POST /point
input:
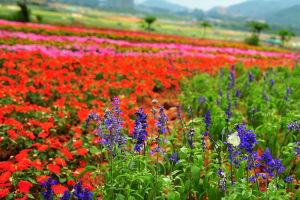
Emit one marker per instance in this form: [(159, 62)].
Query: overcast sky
[(203, 4)]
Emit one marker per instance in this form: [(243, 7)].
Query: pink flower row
[(161, 46)]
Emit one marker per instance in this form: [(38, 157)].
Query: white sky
[(203, 4)]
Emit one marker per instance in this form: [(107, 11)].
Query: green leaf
[(195, 174)]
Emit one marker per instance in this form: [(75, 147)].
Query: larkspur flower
[(140, 133), (220, 93), (66, 195), (174, 158), (218, 101), (48, 194)]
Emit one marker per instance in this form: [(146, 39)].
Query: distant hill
[(289, 15), (261, 9), (162, 4)]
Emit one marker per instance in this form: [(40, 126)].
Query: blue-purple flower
[(250, 77), (288, 179), (231, 80), (174, 158), (140, 133), (81, 194), (207, 121), (294, 126), (66, 195), (48, 194), (237, 93), (277, 166)]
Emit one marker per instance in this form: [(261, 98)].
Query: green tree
[(257, 27), (285, 35), (205, 25), (24, 14), (149, 20)]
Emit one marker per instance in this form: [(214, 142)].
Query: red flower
[(54, 168), (60, 161), (5, 177), (42, 179), (24, 186), (3, 192), (77, 143), (12, 134), (59, 189), (82, 151), (71, 182), (67, 153)]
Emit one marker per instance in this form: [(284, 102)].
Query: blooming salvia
[(272, 82), (267, 160), (294, 126), (81, 194), (288, 179), (66, 195), (190, 138), (228, 113), (297, 149), (265, 95), (140, 133), (48, 194), (277, 166), (201, 99), (93, 116), (250, 77), (174, 158), (288, 92), (231, 80), (161, 129), (237, 93), (207, 121), (222, 182)]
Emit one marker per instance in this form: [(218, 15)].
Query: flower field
[(111, 114)]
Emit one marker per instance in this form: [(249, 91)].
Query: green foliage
[(257, 27), (24, 14), (252, 40), (285, 35), (149, 20)]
